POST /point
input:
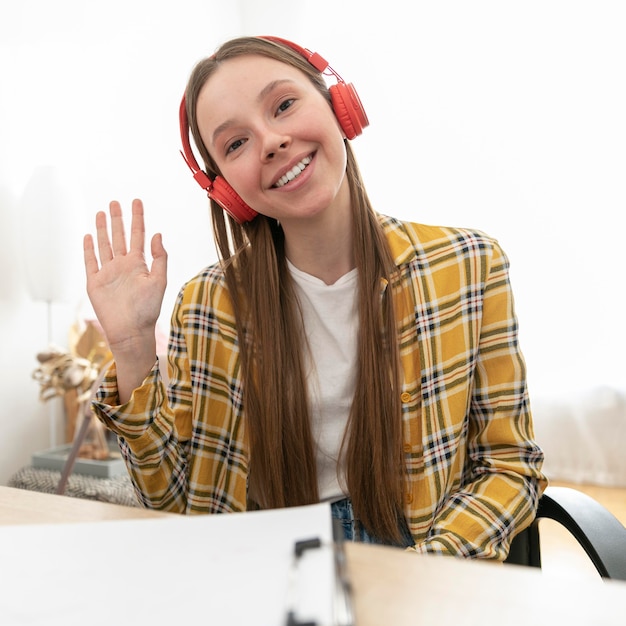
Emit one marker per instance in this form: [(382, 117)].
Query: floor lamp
[(48, 216)]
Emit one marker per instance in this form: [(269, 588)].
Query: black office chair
[(595, 528)]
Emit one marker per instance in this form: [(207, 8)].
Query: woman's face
[(274, 138)]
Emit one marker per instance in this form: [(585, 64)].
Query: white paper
[(213, 569)]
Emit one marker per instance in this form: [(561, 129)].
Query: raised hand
[(125, 293)]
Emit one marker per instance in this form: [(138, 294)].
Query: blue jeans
[(353, 531)]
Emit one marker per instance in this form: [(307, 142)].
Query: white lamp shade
[(50, 243)]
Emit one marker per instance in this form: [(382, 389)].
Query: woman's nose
[(274, 143)]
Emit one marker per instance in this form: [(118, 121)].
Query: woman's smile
[(293, 173)]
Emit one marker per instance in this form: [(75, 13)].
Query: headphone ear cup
[(348, 109), (230, 201)]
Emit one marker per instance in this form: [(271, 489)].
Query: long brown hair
[(271, 342)]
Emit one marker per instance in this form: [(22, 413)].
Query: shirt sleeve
[(502, 481), (152, 442)]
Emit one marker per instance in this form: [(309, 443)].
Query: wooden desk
[(392, 587), (19, 506), (395, 588)]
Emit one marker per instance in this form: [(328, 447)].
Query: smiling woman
[(333, 353)]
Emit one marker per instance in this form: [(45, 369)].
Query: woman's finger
[(89, 254), (105, 251), (118, 235), (137, 228)]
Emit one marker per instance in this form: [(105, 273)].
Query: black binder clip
[(342, 595)]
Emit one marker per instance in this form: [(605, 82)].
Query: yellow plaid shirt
[(473, 468)]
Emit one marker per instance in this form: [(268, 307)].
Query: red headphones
[(347, 108)]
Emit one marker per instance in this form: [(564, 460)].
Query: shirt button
[(408, 497), (405, 397)]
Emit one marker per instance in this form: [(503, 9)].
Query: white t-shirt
[(331, 323)]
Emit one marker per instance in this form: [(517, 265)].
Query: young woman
[(333, 353)]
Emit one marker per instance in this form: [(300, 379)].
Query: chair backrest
[(596, 529)]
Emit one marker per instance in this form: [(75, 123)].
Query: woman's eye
[(283, 106), (235, 145)]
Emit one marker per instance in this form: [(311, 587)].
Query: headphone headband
[(315, 59), (199, 175), (346, 106)]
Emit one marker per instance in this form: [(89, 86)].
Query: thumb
[(159, 258)]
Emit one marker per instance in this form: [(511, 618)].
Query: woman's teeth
[(294, 172)]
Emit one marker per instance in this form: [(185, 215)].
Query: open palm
[(125, 293)]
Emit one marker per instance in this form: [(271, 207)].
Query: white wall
[(505, 116), (498, 115)]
